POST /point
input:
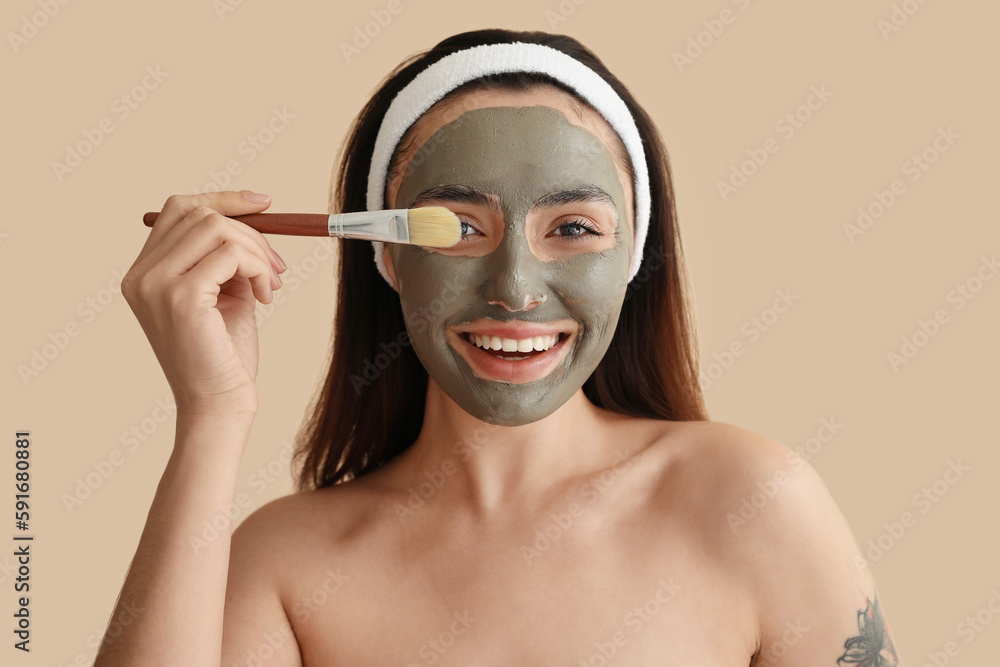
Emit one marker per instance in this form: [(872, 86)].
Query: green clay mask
[(528, 259)]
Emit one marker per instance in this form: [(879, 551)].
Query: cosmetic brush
[(433, 226)]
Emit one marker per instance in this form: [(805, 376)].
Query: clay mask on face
[(524, 272)]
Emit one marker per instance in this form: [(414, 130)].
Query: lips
[(517, 330), (516, 364)]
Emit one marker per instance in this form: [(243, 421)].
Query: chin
[(512, 405)]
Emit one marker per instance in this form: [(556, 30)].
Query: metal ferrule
[(389, 226)]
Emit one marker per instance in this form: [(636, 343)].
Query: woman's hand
[(194, 288)]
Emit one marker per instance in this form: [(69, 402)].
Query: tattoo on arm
[(873, 646)]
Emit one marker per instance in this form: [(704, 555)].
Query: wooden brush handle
[(289, 224)]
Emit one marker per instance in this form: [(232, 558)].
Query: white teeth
[(539, 343)]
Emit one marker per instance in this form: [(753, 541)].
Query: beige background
[(826, 357)]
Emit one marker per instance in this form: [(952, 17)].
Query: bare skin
[(581, 539), (193, 289), (634, 558)]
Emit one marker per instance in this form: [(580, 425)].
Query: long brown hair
[(371, 405)]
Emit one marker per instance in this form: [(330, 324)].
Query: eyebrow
[(590, 194), (463, 194), (458, 194)]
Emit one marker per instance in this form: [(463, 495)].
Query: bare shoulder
[(765, 513), (719, 442), (265, 547), (742, 483), (718, 461), (295, 526), (275, 550), (284, 514)]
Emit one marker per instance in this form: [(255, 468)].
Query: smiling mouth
[(510, 349), (516, 361)]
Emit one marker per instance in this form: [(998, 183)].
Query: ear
[(387, 260)]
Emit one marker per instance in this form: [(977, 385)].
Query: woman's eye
[(577, 229), (467, 228)]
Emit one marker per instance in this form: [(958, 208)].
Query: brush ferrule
[(389, 226)]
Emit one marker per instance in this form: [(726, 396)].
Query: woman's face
[(513, 320)]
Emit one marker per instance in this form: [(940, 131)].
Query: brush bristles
[(433, 226)]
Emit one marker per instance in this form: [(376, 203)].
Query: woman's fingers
[(226, 262), (178, 208), (193, 289), (199, 236), (201, 216)]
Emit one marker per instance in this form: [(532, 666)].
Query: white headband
[(453, 70)]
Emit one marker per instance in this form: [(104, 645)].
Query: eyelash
[(466, 223), (590, 230)]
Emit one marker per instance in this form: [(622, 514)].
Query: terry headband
[(457, 68)]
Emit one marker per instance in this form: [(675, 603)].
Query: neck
[(493, 470)]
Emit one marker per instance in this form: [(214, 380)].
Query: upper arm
[(256, 629), (817, 602)]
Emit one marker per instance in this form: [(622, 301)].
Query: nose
[(516, 279)]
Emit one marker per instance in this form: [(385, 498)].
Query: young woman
[(509, 462)]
